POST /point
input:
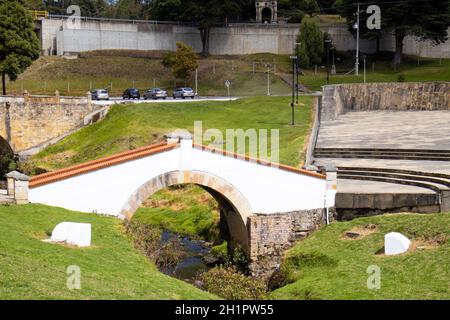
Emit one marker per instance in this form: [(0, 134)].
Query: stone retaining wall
[(29, 121), (426, 96), (270, 235)]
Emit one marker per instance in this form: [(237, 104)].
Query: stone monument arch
[(266, 11)]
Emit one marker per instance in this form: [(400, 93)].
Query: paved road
[(116, 100)]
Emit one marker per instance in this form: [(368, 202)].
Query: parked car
[(155, 93), (100, 94), (184, 93), (131, 94)]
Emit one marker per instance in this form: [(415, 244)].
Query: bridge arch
[(234, 208)]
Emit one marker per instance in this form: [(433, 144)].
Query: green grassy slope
[(130, 126), (110, 269), (335, 268), (186, 210), (143, 69)]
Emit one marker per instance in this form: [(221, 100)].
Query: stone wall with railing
[(28, 121)]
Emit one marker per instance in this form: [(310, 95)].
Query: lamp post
[(294, 67), (297, 72), (327, 45), (364, 57), (356, 26)]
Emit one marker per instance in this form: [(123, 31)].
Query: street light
[(364, 57), (294, 67), (297, 72), (327, 44), (356, 26), (268, 78)]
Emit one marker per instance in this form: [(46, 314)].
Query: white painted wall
[(231, 40), (267, 190)]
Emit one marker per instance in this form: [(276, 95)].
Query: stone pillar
[(445, 201), (177, 136), (57, 97), (258, 12), (18, 186), (26, 96), (89, 101), (330, 194)]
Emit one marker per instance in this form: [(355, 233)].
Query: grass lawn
[(110, 269), (332, 267), (186, 210), (131, 126)]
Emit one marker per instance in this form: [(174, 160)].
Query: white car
[(183, 93), (100, 94)]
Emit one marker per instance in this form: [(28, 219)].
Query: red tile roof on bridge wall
[(126, 156)]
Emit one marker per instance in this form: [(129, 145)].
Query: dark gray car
[(155, 93)]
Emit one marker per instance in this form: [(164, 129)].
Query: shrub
[(170, 254), (292, 265), (145, 237), (231, 284), (401, 77), (167, 60), (220, 251)]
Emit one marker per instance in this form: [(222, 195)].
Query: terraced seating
[(437, 182), (392, 154)]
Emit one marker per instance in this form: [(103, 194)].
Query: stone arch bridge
[(266, 206)]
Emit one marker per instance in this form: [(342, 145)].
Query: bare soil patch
[(360, 232)]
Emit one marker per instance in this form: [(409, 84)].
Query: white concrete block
[(78, 234), (395, 243)]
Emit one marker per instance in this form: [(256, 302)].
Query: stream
[(192, 264)]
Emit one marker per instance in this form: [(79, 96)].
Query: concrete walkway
[(423, 130)]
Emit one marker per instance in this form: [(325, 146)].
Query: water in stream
[(192, 264)]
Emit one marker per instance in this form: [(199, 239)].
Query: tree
[(165, 10), (128, 9), (19, 45), (295, 10), (183, 62), (206, 13), (428, 20), (311, 48)]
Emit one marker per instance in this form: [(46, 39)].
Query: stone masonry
[(426, 96), (270, 235), (29, 121)]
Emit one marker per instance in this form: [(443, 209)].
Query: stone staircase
[(328, 104), (390, 154), (437, 182)]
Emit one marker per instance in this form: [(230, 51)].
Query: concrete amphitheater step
[(442, 184), (396, 170), (416, 183), (399, 154)]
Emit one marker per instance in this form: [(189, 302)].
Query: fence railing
[(178, 23), (39, 14)]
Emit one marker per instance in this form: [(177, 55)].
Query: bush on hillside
[(231, 284)]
